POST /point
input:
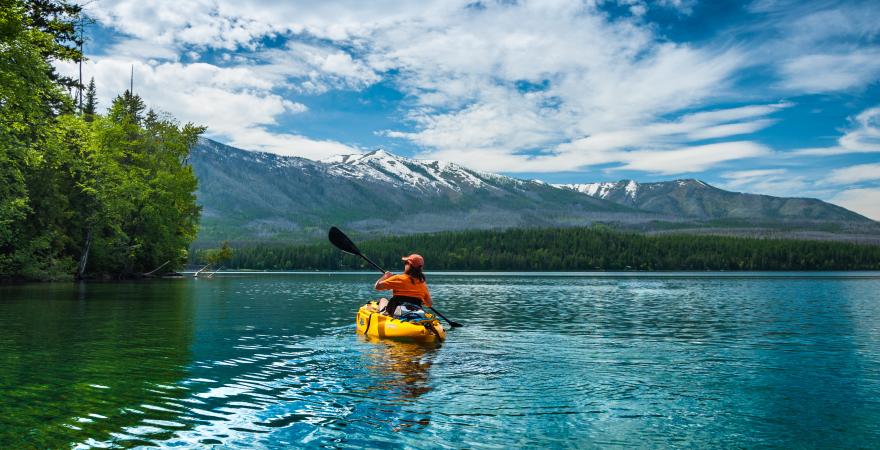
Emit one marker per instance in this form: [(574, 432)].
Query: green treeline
[(594, 248), (83, 194)]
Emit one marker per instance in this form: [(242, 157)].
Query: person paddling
[(408, 287)]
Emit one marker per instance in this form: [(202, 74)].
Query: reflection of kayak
[(404, 368), (373, 324)]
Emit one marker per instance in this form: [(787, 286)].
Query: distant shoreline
[(593, 274)]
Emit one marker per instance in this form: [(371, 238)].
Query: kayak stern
[(371, 323)]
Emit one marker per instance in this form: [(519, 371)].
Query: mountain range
[(696, 199), (254, 196)]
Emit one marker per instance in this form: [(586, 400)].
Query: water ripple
[(274, 362)]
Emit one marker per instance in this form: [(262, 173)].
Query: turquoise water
[(268, 360)]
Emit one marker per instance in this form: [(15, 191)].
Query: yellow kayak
[(372, 324)]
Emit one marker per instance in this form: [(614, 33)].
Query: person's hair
[(415, 273)]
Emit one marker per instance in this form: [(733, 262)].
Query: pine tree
[(128, 107), (55, 20), (91, 102)]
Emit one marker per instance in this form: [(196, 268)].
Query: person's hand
[(386, 275)]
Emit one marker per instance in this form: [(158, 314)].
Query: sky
[(773, 97)]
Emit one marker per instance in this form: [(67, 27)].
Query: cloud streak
[(863, 136), (855, 174)]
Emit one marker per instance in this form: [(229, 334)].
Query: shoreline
[(583, 274)]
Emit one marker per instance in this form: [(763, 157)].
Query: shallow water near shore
[(550, 360)]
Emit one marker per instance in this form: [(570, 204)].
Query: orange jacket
[(403, 285)]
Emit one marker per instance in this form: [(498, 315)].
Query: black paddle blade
[(342, 242)]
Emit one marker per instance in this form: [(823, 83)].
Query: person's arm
[(427, 300), (380, 283)]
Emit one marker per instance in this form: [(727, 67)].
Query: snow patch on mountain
[(631, 189), (598, 190), (426, 175)]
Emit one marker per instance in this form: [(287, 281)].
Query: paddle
[(342, 242)]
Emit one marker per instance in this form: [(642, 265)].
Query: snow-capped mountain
[(252, 195), (423, 175), (697, 199), (261, 196)]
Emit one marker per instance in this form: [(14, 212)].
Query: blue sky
[(774, 97)]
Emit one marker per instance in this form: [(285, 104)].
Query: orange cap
[(414, 260)]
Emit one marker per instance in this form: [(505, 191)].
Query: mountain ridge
[(698, 199), (262, 196), (257, 196)]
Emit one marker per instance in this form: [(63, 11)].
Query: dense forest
[(592, 248), (83, 193)]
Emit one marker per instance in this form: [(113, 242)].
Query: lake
[(544, 360)]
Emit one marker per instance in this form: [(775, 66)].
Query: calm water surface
[(579, 361)]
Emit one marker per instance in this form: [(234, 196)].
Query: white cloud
[(817, 47), (692, 159), (779, 182), (317, 68), (866, 135), (863, 201), (257, 138), (818, 73), (491, 133), (730, 129), (461, 65), (195, 22), (744, 176), (855, 174), (601, 91), (236, 103), (862, 137)]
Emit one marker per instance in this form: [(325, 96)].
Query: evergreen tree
[(113, 197), (55, 21), (32, 34), (90, 106), (128, 107), (582, 249), (219, 256)]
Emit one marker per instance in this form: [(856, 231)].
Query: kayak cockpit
[(373, 324)]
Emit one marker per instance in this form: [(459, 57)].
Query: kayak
[(372, 324)]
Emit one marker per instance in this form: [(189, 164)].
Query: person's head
[(413, 266)]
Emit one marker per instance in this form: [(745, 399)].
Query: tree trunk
[(83, 260)]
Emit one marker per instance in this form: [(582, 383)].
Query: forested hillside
[(593, 248), (83, 194)]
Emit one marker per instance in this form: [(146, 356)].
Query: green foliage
[(108, 196), (127, 107), (30, 99), (55, 22), (90, 107), (220, 255), (569, 249)]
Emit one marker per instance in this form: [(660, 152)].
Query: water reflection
[(83, 363), (402, 372), (403, 366)]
